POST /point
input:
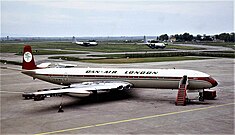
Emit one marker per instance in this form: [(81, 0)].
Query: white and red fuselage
[(139, 78)]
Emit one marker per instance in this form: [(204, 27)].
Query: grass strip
[(10, 62), (139, 60)]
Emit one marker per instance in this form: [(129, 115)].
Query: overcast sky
[(115, 17)]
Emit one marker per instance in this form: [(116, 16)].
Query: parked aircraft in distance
[(154, 44), (57, 65), (88, 43), (85, 81)]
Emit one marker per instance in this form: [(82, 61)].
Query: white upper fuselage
[(152, 78)]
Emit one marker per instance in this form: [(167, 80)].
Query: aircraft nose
[(213, 82)]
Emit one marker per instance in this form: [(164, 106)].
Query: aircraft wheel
[(201, 98), (94, 92), (39, 97), (188, 100)]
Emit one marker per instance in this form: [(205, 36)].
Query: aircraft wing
[(44, 65), (81, 89)]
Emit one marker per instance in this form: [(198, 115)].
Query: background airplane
[(88, 43), (85, 81), (57, 65), (154, 44)]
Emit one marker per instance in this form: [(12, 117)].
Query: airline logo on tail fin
[(28, 57), (28, 60)]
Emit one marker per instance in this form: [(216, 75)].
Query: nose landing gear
[(207, 94)]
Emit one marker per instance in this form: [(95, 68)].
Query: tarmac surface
[(141, 111)]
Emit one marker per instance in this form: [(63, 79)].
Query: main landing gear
[(201, 95), (61, 107), (95, 95)]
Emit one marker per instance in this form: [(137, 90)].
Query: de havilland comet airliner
[(153, 44), (85, 81), (87, 43)]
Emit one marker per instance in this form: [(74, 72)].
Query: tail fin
[(145, 39), (74, 40), (28, 60)]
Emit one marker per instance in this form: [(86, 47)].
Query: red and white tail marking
[(28, 60)]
